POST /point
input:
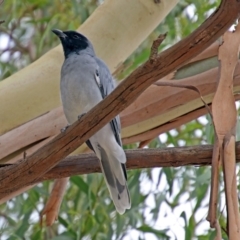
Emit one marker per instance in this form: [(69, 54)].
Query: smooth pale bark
[(116, 29)]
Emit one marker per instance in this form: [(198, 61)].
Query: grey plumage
[(85, 81)]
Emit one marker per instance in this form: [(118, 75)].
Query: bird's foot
[(80, 116), (64, 129)]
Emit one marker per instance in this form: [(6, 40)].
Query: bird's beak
[(59, 33)]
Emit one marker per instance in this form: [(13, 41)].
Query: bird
[(85, 81)]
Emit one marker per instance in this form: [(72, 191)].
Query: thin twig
[(154, 49)]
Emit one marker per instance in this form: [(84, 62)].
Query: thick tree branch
[(36, 165), (139, 158)]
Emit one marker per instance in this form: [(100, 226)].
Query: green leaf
[(148, 229), (24, 224), (62, 237), (80, 183)]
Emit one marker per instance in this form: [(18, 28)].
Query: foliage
[(168, 203)]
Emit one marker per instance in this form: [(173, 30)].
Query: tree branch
[(139, 158), (36, 165)]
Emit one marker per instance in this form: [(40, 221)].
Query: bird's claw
[(81, 115), (64, 129)]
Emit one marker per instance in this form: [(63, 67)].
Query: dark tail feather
[(115, 175)]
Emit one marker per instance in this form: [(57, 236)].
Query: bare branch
[(190, 87), (139, 158)]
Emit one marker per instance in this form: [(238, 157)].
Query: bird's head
[(73, 42)]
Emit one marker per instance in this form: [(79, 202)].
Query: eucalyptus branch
[(86, 163)]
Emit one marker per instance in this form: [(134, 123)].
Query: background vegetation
[(168, 203)]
